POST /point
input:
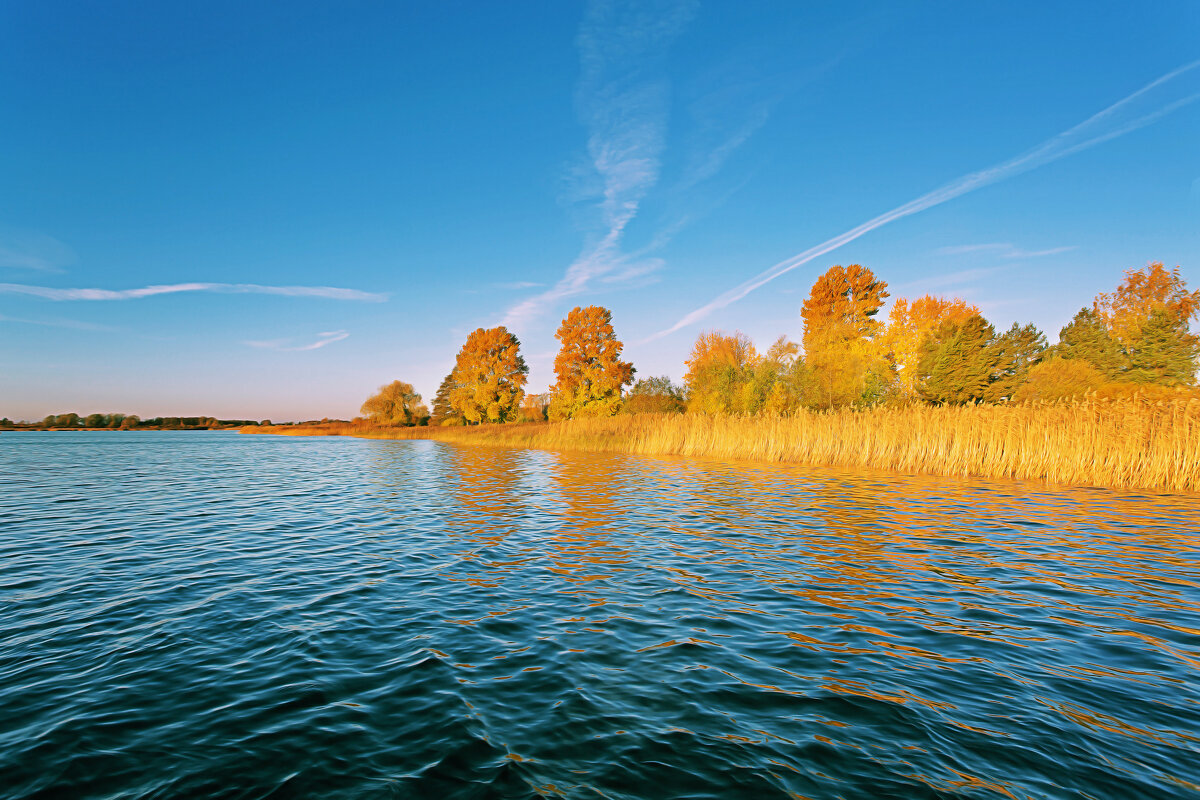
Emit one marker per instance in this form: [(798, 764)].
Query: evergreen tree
[(443, 410), (1017, 351), (958, 362), (1086, 337), (1164, 352)]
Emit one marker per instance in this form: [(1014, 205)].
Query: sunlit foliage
[(589, 371), (396, 404), (909, 323), (443, 409), (1059, 378), (719, 373), (1086, 338), (655, 396), (1127, 310), (1017, 350), (845, 299), (957, 362), (1164, 352), (1148, 316), (845, 362), (491, 374)]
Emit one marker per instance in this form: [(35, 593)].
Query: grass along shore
[(1129, 443)]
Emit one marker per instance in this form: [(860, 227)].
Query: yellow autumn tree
[(844, 360), (589, 370), (720, 367), (909, 323), (396, 404), (489, 376), (1127, 310)]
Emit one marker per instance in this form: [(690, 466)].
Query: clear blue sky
[(335, 194)]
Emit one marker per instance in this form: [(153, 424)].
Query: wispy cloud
[(34, 252), (1001, 250), (622, 100), (328, 292), (1124, 116), (287, 345)]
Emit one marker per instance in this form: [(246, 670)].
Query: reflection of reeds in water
[(1129, 443)]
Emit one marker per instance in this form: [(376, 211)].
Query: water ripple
[(208, 615)]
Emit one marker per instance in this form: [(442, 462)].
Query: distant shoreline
[(1129, 443), (116, 430)]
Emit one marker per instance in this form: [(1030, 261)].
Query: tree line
[(933, 350), (127, 422)]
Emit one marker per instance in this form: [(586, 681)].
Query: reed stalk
[(1128, 442)]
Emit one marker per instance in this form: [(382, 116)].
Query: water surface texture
[(214, 615)]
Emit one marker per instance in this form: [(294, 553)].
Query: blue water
[(213, 615)]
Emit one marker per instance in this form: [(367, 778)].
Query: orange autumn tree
[(720, 369), (909, 323), (840, 331), (490, 377), (1144, 291), (1149, 316), (589, 370)]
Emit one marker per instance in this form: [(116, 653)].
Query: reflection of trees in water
[(483, 487), (916, 546), (593, 489)]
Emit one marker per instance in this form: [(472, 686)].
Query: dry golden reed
[(1131, 442)]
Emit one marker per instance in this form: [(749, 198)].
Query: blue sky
[(274, 210)]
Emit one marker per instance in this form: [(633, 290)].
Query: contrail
[(329, 292), (1073, 140)]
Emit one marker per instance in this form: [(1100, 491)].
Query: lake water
[(215, 615)]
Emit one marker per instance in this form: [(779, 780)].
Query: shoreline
[(1121, 444)]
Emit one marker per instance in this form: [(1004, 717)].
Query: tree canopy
[(1086, 338), (655, 396), (718, 370), (589, 370), (443, 408), (909, 323), (1017, 351), (491, 375), (396, 403), (845, 362), (1143, 291), (957, 362)]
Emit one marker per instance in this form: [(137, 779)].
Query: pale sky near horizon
[(254, 211)]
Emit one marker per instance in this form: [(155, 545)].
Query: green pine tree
[(1164, 352), (443, 411), (1086, 337), (1017, 350), (958, 362)]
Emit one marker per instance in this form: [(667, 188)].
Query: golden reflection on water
[(875, 577)]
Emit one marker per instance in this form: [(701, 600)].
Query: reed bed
[(1130, 442)]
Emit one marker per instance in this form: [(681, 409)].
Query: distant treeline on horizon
[(127, 422)]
